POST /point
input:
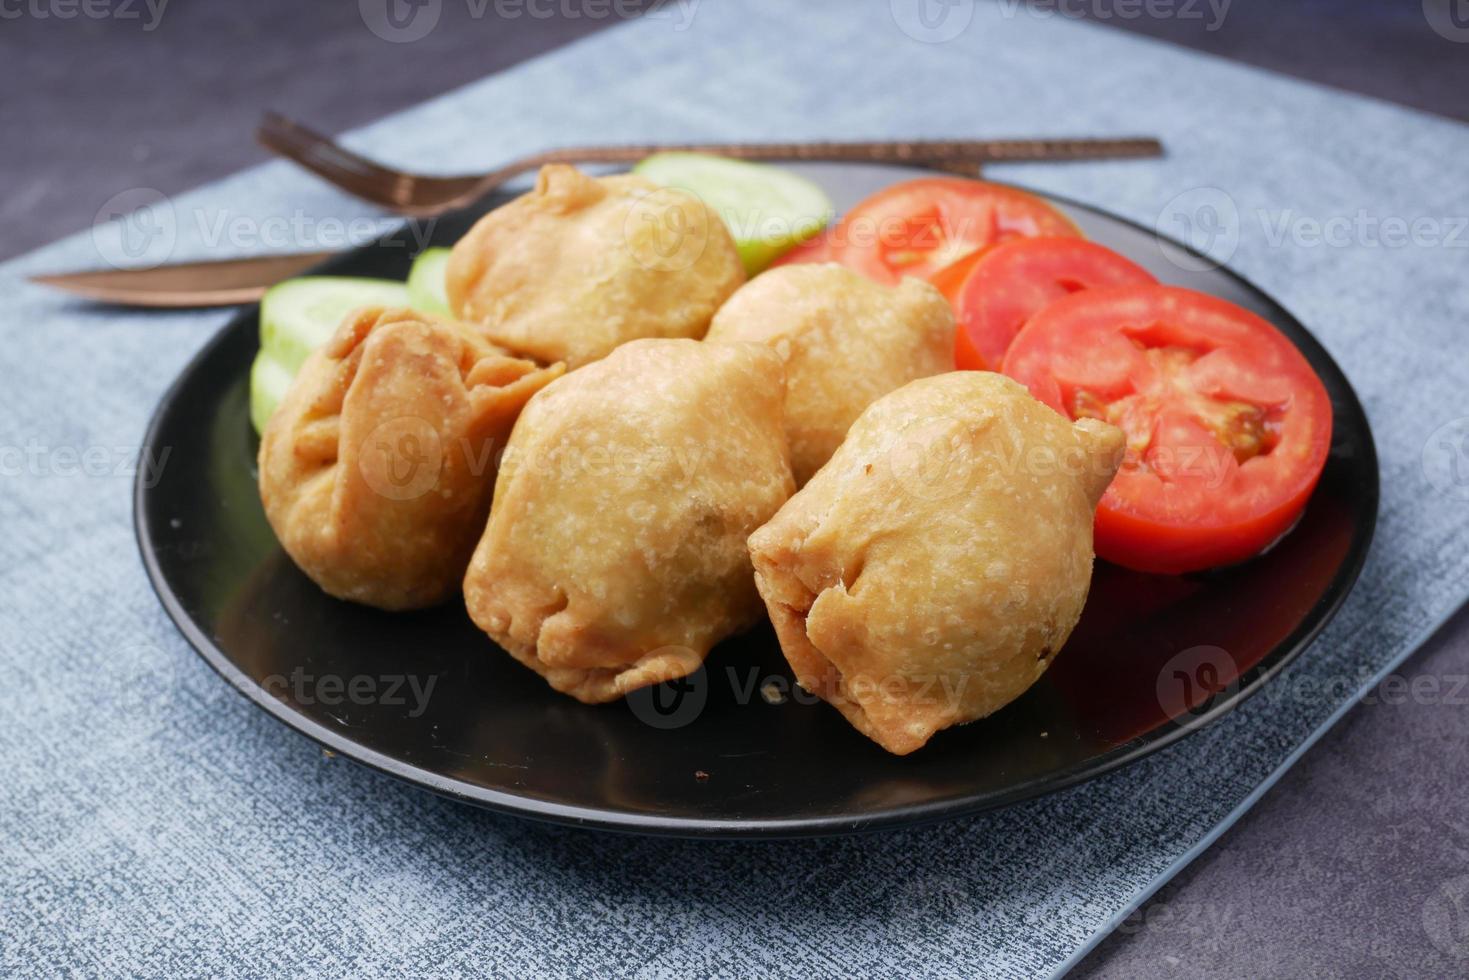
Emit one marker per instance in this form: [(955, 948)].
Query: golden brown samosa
[(845, 340), (377, 467), (582, 264), (615, 557), (931, 571)]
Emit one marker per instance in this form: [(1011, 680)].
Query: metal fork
[(423, 196)]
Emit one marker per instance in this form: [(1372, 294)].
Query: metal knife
[(229, 282)]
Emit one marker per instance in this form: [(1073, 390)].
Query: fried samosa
[(377, 467), (846, 341), (615, 556), (931, 571), (582, 264)]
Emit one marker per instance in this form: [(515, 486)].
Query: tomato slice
[(950, 279), (818, 248), (918, 227), (1011, 282), (1227, 426)]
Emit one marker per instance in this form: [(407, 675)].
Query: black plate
[(1152, 659)]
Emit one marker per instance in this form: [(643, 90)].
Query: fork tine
[(331, 155), (307, 159), (406, 193), (291, 138), (341, 168)]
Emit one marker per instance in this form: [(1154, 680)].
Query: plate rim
[(1284, 653)]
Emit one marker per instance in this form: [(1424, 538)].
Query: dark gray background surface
[(1336, 872)]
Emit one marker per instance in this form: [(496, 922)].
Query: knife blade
[(225, 282)]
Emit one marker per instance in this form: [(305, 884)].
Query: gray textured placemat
[(155, 824)]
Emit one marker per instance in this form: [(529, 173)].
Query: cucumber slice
[(269, 380), (426, 292), (299, 315), (768, 210)]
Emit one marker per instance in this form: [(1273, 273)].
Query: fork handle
[(962, 157), (943, 152)]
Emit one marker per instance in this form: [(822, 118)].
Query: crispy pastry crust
[(580, 265), (929, 573), (615, 557), (377, 468), (845, 340)]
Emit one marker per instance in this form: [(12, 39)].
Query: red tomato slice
[(814, 249), (920, 226), (950, 278), (948, 281), (1014, 280), (1227, 426)]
